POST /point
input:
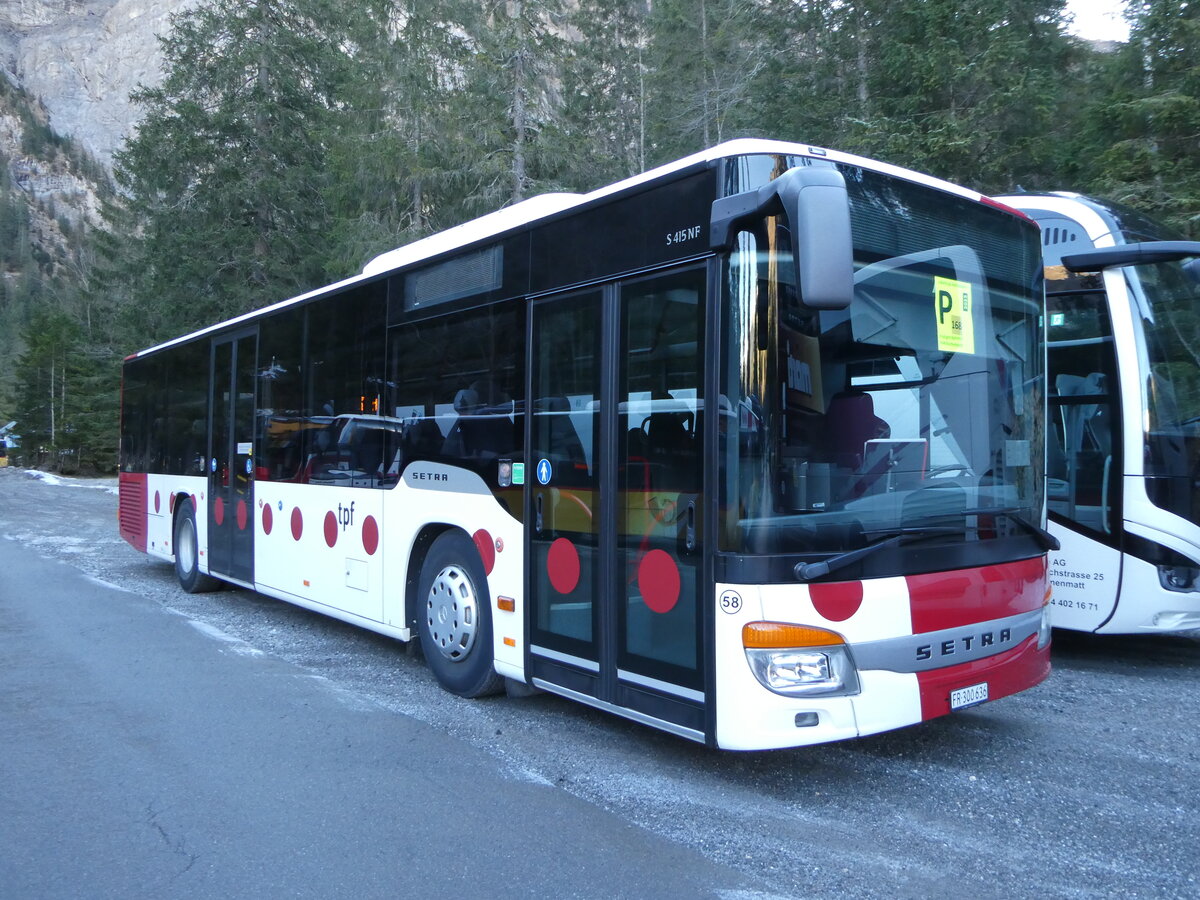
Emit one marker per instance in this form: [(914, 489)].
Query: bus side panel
[(160, 515), (1147, 607), (132, 509), (345, 551), (437, 493), (322, 544)]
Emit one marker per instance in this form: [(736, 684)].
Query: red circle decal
[(268, 518), (297, 523), (171, 503), (330, 528), (157, 502), (838, 601), (219, 511), (658, 581), (370, 535), (562, 565), (487, 550), (243, 515)]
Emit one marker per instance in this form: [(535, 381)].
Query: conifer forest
[(291, 140)]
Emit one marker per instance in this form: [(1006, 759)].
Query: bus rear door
[(231, 457)]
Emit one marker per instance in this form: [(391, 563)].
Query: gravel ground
[(1081, 787)]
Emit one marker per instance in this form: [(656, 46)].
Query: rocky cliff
[(82, 58)]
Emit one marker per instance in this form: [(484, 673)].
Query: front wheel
[(187, 553), (454, 617)]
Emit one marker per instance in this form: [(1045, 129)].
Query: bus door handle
[(690, 528), (537, 517)]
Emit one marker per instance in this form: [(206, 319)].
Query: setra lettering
[(965, 643), (428, 476)]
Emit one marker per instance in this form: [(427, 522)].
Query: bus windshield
[(1169, 305), (910, 414)]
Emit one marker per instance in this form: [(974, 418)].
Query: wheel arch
[(416, 560)]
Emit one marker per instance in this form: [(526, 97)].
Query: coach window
[(455, 384), (281, 421), (344, 381), (185, 389)]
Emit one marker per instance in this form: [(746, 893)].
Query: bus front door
[(231, 458), (614, 498)]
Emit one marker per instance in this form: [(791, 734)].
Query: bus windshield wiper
[(1045, 539), (809, 571)]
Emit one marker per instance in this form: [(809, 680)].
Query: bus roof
[(546, 205)]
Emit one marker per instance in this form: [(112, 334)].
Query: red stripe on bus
[(970, 596), (1005, 673)]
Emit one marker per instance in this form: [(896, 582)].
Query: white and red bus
[(1123, 307), (748, 448)]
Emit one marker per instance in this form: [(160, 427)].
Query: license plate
[(968, 696)]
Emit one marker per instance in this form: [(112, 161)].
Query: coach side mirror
[(817, 207), (818, 210), (1138, 254)]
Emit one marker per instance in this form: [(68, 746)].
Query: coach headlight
[(796, 660), (1044, 626)]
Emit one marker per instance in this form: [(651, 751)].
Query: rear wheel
[(454, 617), (187, 553)]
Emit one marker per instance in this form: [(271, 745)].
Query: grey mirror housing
[(817, 207)]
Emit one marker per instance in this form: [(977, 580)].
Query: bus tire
[(454, 617), (187, 553)]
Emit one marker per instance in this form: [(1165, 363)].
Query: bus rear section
[(1124, 416), (762, 468)]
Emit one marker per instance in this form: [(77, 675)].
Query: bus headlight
[(1044, 628), (795, 660)]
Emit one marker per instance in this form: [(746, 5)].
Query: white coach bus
[(1123, 307), (748, 448)]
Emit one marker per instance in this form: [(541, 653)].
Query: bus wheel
[(187, 553), (454, 617)]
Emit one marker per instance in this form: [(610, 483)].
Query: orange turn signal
[(777, 635), (508, 604)]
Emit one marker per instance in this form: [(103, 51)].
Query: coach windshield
[(912, 415)]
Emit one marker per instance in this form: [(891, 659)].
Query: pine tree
[(226, 180), (602, 132), (511, 96), (969, 91), (1143, 138), (705, 57)]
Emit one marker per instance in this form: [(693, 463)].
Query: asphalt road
[(154, 743)]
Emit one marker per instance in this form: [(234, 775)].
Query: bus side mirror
[(817, 207), (1139, 254)]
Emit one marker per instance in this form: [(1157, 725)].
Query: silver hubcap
[(185, 547), (452, 613)]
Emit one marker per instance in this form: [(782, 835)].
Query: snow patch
[(108, 485), (107, 584), (213, 632)]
